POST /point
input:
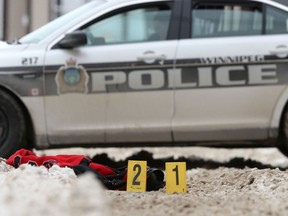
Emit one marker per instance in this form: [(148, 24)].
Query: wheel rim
[(3, 126)]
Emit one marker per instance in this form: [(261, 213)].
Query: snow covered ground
[(36, 191), (223, 191)]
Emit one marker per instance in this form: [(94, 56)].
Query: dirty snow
[(37, 191), (223, 191)]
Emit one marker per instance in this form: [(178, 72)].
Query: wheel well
[(281, 120), (30, 135), (282, 132)]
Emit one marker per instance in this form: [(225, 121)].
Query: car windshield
[(44, 31)]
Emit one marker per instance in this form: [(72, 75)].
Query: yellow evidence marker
[(136, 176), (175, 177)]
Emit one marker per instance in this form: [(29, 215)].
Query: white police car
[(149, 72)]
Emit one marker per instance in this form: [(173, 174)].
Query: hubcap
[(3, 127)]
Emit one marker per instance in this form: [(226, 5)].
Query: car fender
[(37, 119), (277, 113)]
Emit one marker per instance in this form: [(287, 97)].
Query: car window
[(226, 19), (276, 21), (139, 24)]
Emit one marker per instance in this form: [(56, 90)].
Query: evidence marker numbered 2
[(136, 176)]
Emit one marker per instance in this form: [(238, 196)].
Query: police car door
[(226, 79), (122, 75)]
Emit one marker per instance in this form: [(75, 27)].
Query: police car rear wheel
[(283, 133), (12, 125)]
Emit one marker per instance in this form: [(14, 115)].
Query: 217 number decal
[(29, 60)]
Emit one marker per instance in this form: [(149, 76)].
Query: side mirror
[(74, 39)]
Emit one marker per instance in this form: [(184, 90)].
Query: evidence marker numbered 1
[(136, 176), (175, 177)]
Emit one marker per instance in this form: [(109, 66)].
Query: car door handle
[(150, 57), (277, 51)]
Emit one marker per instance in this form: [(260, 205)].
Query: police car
[(149, 72)]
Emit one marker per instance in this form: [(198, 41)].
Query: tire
[(282, 143), (12, 125)]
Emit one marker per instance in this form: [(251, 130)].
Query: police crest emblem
[(72, 78)]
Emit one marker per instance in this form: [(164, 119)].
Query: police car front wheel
[(12, 125)]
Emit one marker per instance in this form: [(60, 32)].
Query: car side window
[(138, 24), (276, 21), (216, 19)]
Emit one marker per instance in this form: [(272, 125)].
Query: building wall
[(2, 16), (39, 13), (23, 16), (16, 19)]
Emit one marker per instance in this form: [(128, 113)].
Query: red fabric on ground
[(101, 169), (24, 156)]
